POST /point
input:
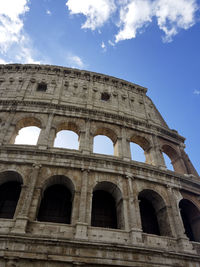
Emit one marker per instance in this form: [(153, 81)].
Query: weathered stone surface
[(73, 101)]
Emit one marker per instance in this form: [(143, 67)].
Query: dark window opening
[(191, 219), (56, 205), (148, 217), (103, 210), (105, 96), (9, 195), (42, 87)]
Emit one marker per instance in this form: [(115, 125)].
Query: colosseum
[(62, 207)]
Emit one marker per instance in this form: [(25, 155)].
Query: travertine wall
[(73, 101)]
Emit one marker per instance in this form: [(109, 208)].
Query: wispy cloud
[(48, 12), (75, 61), (135, 15), (174, 15), (111, 43), (2, 61), (96, 12), (15, 45), (196, 92), (11, 23), (103, 46)]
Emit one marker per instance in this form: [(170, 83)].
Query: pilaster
[(134, 211), (23, 215), (44, 134), (81, 225)]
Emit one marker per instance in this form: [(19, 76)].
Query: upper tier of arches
[(82, 135)]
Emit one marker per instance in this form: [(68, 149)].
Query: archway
[(190, 215), (153, 211)]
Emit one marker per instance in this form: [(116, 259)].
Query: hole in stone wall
[(137, 153), (28, 135), (42, 87), (168, 163), (103, 210), (56, 205), (66, 139), (105, 96), (103, 145), (9, 195), (191, 219), (148, 217)]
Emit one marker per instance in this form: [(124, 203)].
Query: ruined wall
[(56, 98)]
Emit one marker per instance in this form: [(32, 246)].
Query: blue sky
[(155, 43)]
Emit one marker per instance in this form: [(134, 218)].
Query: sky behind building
[(154, 43)]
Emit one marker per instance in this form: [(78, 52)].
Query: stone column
[(8, 130), (118, 148), (188, 164), (125, 146), (86, 140), (156, 153), (22, 217), (52, 136), (81, 226), (124, 225), (183, 242), (134, 211), (45, 133), (34, 205), (178, 165)]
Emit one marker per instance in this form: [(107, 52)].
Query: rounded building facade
[(71, 207)]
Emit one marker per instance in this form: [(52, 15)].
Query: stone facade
[(90, 104)]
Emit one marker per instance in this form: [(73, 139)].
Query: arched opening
[(26, 132), (105, 142), (66, 139), (9, 196), (153, 212), (103, 145), (103, 210), (139, 147), (137, 153), (107, 209), (28, 136), (56, 205), (168, 163), (191, 219), (148, 217), (176, 161)]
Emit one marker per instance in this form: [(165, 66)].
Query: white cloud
[(15, 44), (11, 23), (111, 43), (75, 61), (103, 45), (48, 12), (196, 92), (96, 12), (171, 16), (133, 16), (174, 15), (2, 61)]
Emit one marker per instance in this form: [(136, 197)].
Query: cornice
[(38, 241), (96, 163), (74, 73)]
